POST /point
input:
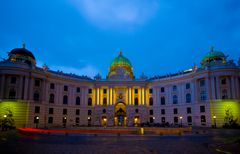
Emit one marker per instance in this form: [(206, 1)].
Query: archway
[(120, 114)]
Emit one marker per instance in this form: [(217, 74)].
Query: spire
[(24, 45), (120, 53)]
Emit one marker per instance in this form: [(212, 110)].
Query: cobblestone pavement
[(200, 141)]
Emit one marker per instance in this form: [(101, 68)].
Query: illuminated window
[(188, 98)]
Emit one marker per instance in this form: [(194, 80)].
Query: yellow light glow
[(37, 117), (181, 117), (5, 116)]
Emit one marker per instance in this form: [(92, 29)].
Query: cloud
[(115, 13)]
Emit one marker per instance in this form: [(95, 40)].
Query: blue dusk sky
[(157, 36)]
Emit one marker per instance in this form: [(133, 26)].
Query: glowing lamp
[(214, 117), (5, 116), (181, 117), (37, 117)]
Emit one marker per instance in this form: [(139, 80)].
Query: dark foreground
[(200, 141)]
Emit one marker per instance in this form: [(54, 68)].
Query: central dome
[(120, 67)]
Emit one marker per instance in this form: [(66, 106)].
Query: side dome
[(120, 68), (22, 55), (213, 56)]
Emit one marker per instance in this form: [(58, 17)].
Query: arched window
[(36, 96), (162, 100), (224, 94), (89, 101), (175, 99), (65, 99), (188, 98), (150, 101), (136, 101), (51, 98), (77, 100), (104, 101), (12, 94)]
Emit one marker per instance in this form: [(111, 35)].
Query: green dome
[(213, 55), (120, 60)]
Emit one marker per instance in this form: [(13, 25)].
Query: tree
[(229, 121), (8, 121)]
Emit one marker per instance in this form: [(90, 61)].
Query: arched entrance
[(120, 118)]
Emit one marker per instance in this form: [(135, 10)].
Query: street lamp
[(214, 119), (181, 120), (5, 116), (37, 121)]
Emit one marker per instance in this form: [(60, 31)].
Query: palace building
[(39, 97)]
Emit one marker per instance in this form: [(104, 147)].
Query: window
[(104, 111), (202, 109), (174, 88), (36, 96), (77, 100), (188, 86), (151, 112), (224, 94), (175, 111), (77, 120), (13, 80), (37, 83), (151, 120), (189, 110), (104, 91), (89, 101), (175, 99), (162, 111), (64, 111), (136, 91), (64, 121), (188, 98), (136, 111), (52, 86), (89, 91), (51, 98), (104, 101), (203, 95), (163, 120), (50, 120), (150, 101), (37, 109), (136, 101), (50, 111), (77, 111), (162, 89), (175, 120), (151, 91), (189, 119), (203, 119), (89, 112), (202, 83), (78, 90), (65, 99), (12, 94), (224, 81), (65, 88), (162, 100)]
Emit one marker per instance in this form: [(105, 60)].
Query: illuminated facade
[(45, 98)]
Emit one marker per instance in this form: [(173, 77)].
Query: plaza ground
[(201, 140)]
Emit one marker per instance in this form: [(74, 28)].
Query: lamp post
[(181, 120), (37, 121), (214, 119)]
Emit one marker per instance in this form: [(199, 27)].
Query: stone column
[(97, 95), (43, 91), (217, 88), (129, 96), (19, 93), (26, 88), (30, 89), (140, 96), (233, 89), (143, 98)]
